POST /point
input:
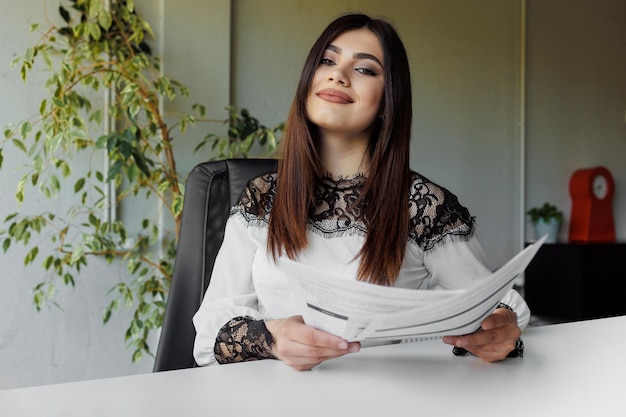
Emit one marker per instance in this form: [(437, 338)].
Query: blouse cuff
[(243, 339)]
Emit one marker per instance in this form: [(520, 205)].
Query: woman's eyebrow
[(356, 55)]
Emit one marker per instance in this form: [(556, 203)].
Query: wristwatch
[(518, 352)]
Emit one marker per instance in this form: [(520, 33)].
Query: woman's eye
[(366, 71), (326, 61)]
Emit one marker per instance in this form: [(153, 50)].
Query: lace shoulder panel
[(257, 198), (434, 213)]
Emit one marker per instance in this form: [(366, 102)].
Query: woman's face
[(347, 87)]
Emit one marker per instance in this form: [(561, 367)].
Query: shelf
[(577, 281)]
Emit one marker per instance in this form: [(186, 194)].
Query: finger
[(303, 357), (295, 329), (304, 350), (304, 347), (492, 353), (502, 320), (500, 317), (490, 356), (503, 334), (507, 334), (486, 337), (313, 337)]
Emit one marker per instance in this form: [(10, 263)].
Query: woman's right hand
[(303, 347)]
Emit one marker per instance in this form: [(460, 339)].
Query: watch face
[(600, 187)]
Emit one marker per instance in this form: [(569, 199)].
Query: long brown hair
[(385, 193)]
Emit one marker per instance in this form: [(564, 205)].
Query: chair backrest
[(211, 189)]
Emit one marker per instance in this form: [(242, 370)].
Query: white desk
[(572, 369)]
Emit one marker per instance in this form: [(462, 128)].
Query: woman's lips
[(335, 96)]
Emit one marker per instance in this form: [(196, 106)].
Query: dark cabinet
[(576, 281)]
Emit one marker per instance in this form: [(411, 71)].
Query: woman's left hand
[(495, 339)]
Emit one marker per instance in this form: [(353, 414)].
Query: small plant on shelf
[(546, 220), (545, 213)]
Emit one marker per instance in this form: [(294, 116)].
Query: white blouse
[(246, 281)]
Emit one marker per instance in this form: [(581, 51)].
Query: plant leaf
[(64, 14)]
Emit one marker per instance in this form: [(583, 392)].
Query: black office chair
[(212, 188)]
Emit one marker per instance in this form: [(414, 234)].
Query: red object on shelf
[(592, 192)]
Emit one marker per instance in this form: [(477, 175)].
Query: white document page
[(375, 314)]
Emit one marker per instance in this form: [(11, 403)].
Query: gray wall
[(499, 144), (576, 99)]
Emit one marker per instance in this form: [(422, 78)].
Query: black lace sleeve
[(243, 339)]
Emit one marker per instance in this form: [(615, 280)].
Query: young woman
[(343, 199)]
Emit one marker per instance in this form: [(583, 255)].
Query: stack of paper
[(375, 314)]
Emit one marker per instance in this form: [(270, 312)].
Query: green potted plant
[(546, 220), (102, 48)]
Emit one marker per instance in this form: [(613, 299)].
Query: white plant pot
[(550, 228)]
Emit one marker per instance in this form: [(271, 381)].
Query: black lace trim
[(434, 211), (243, 339)]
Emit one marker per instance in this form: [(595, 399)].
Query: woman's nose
[(338, 76)]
